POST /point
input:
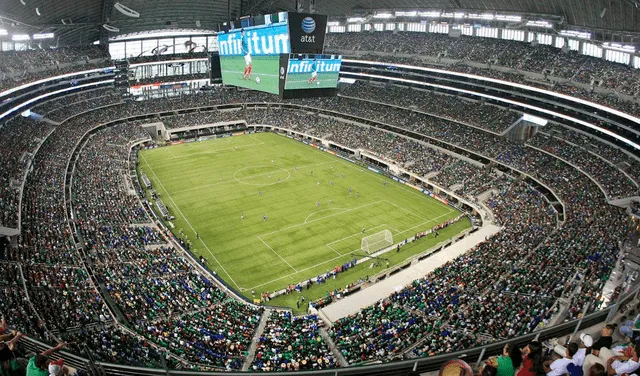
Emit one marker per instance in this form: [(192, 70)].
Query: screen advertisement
[(307, 32), (311, 71), (250, 56)]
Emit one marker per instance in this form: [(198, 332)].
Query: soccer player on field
[(248, 64), (264, 218), (314, 73)]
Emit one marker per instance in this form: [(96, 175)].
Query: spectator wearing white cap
[(586, 341)]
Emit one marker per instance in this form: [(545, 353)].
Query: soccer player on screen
[(248, 65), (314, 72)]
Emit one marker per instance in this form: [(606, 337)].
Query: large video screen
[(250, 56), (306, 71)]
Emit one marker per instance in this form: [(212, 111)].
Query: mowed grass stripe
[(212, 189)]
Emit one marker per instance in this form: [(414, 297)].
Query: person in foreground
[(41, 365)]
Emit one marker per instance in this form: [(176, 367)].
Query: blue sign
[(258, 41), (308, 25)]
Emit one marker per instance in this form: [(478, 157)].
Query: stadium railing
[(400, 367)]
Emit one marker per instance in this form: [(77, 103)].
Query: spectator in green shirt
[(39, 364), (510, 360)]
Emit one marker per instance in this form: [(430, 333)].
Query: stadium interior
[(461, 196)]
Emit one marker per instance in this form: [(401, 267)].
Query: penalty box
[(329, 234)]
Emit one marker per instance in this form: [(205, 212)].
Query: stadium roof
[(80, 21), (619, 15)]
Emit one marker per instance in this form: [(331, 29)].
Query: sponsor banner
[(331, 152), (237, 133), (258, 41), (346, 158), (373, 169), (306, 142), (307, 32)]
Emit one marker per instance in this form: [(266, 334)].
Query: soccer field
[(301, 81), (265, 67), (312, 222)]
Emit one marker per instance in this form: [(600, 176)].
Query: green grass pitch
[(208, 185), (265, 67), (300, 81)]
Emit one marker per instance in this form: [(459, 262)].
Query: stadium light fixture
[(536, 23), (406, 14), (508, 17), (126, 10), (458, 15), (4, 32), (576, 34), (430, 14), (333, 23), (43, 36), (619, 47), (383, 15), (20, 37), (355, 19), (110, 28)]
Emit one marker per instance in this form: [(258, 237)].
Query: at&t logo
[(308, 26)]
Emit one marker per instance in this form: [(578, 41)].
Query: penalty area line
[(277, 254)]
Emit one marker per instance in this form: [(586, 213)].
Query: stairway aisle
[(256, 338)]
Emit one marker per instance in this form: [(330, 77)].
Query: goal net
[(374, 243)]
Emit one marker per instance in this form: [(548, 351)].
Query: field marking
[(329, 216), (377, 176), (343, 255), (299, 271), (277, 254), (232, 180), (187, 220), (260, 184), (215, 151), (406, 210), (347, 237), (320, 211)]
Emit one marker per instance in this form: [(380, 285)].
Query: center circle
[(261, 175)]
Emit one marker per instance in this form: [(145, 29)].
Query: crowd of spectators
[(609, 176), (503, 287), (70, 105), (292, 344), (613, 180), (492, 118), (21, 67), (20, 137), (523, 56)]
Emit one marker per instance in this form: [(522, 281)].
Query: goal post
[(380, 240)]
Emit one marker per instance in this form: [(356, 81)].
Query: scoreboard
[(280, 53)]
